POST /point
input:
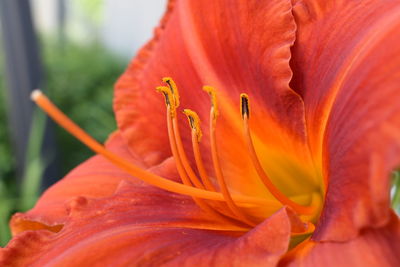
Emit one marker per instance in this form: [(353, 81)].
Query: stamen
[(182, 155), (44, 103), (181, 171), (194, 123), (174, 89), (169, 99), (244, 100), (244, 105), (178, 152), (173, 93), (217, 166), (211, 91)]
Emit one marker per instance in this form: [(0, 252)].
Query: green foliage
[(396, 191), (10, 198), (79, 79), (7, 170), (30, 188)]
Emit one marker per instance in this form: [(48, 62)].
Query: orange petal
[(374, 247), (142, 225), (97, 177), (236, 46), (346, 63)]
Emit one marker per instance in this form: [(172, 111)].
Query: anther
[(244, 105), (169, 99), (174, 89), (194, 122), (211, 91)]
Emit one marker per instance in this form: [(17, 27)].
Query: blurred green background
[(84, 46), (79, 78)]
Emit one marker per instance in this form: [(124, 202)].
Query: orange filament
[(173, 92), (201, 190), (199, 202), (183, 156), (173, 139), (171, 102), (44, 103), (215, 158), (245, 111), (194, 123)]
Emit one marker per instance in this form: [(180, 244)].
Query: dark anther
[(245, 106)]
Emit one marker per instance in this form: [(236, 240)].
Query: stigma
[(208, 190)]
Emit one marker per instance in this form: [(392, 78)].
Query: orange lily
[(289, 163)]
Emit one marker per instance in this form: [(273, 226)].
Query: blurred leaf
[(35, 166), (5, 210), (7, 166), (396, 191), (80, 80)]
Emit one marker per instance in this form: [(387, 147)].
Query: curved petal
[(374, 247), (141, 225), (238, 47), (97, 177), (346, 63)]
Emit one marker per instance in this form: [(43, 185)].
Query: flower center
[(215, 199)]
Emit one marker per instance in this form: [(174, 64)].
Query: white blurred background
[(121, 25)]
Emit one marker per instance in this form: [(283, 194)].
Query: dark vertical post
[(61, 18), (24, 73)]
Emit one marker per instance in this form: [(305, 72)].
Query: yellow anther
[(244, 105), (169, 99), (211, 91), (194, 122), (174, 89)]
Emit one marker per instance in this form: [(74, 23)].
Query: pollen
[(169, 98), (174, 89), (213, 97)]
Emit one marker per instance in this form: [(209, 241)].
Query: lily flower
[(284, 158)]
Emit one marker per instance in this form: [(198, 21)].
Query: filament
[(257, 165), (44, 103), (217, 166), (172, 138), (194, 123), (182, 155), (227, 207), (200, 164)]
